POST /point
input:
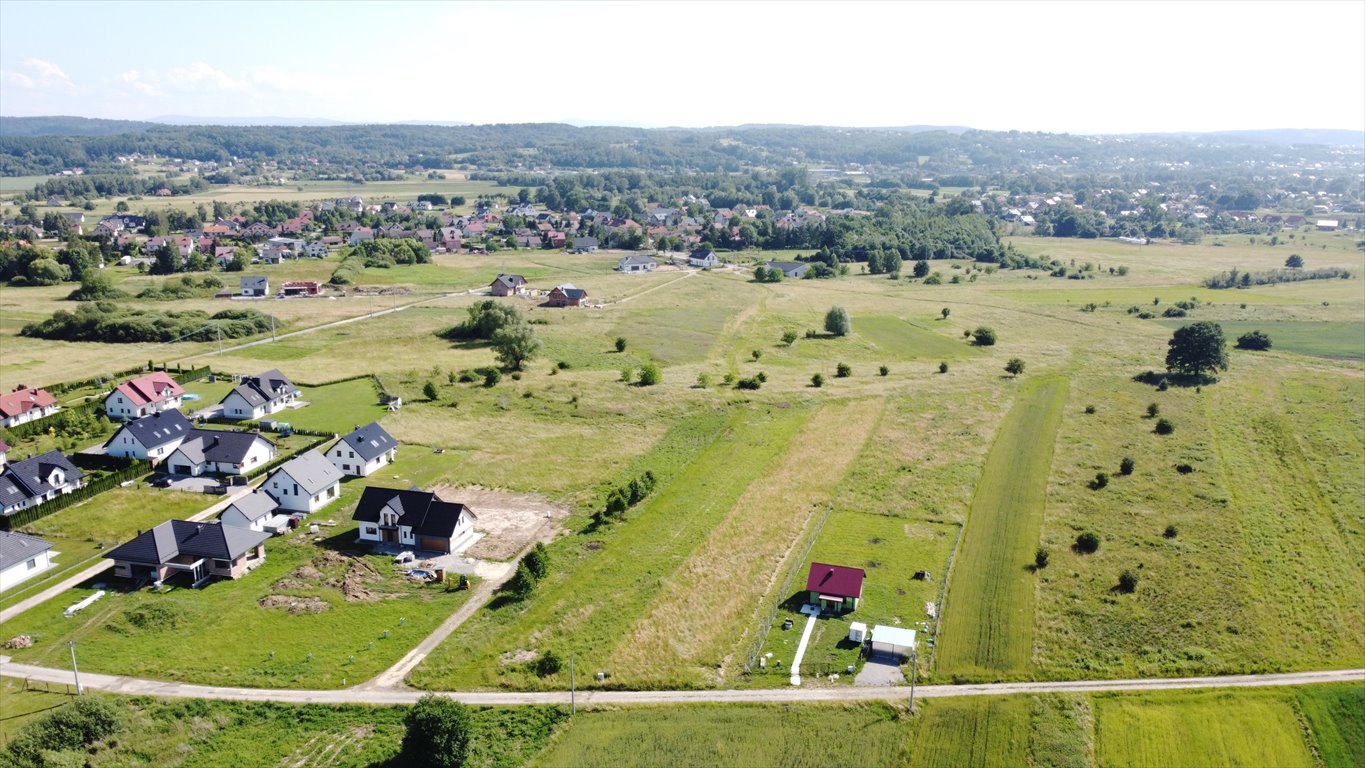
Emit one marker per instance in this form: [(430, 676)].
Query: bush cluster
[(623, 497), (114, 324)]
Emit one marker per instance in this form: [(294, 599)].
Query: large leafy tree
[(1196, 348), (515, 344), (438, 733)]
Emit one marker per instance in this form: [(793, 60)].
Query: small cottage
[(835, 588)]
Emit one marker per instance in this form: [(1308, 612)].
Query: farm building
[(896, 641), (22, 557), (199, 550), (135, 398), (415, 519), (25, 404), (835, 588)]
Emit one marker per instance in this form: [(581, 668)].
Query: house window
[(32, 564), (371, 530), (222, 565)]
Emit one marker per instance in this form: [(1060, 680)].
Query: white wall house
[(305, 483), (151, 437), (145, 395), (22, 557), (26, 404), (34, 480), (207, 451), (259, 396), (364, 451), (255, 511)]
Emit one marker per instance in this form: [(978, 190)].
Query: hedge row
[(133, 471)]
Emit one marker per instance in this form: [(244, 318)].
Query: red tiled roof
[(23, 400), (836, 580), (152, 388)]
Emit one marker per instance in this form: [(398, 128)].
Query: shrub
[(818, 380), (842, 371), (1152, 410), (1255, 340), (522, 583), (1087, 543), (837, 322), (984, 336), (1040, 558), (1164, 427), (1184, 469), (1126, 466), (942, 367), (1170, 532), (934, 279), (538, 561), (703, 380), (627, 373), (945, 312), (789, 337), (1090, 409), (1014, 367), (438, 733), (548, 664), (750, 383), (884, 371), (491, 377), (620, 343), (757, 354), (649, 374), (1128, 582), (1100, 481), (429, 390), (563, 365), (74, 726)]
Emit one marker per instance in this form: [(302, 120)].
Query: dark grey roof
[(16, 548), (28, 478), (420, 510), (259, 390), (702, 253), (156, 430), (511, 281), (585, 242), (637, 259), (788, 267), (254, 506), (370, 441), (255, 283), (312, 471), (182, 537), (218, 446)]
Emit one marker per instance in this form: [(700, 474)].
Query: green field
[(987, 626), (972, 732), (906, 340), (1321, 339), (1336, 717), (1200, 729)]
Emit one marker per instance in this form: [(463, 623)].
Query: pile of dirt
[(328, 558), (309, 573), (295, 605), (17, 642), (519, 656), (353, 584), (291, 585)]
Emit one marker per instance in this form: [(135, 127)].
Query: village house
[(151, 437), (305, 483), (364, 451), (135, 398), (413, 518), (26, 404), (211, 451), (566, 295), (835, 588), (584, 245), (257, 512), (200, 551), (224, 254), (32, 481), (507, 285), (796, 269), (315, 249), (295, 288), (636, 263), (259, 396), (703, 258), (22, 557), (255, 287), (361, 235)]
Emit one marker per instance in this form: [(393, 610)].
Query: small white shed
[(857, 632), (893, 640)]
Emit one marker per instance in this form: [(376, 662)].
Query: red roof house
[(143, 396), (25, 404), (835, 588)]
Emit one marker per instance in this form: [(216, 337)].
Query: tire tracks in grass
[(989, 609), (697, 622)]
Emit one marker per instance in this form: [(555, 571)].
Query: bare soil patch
[(295, 605), (509, 521)]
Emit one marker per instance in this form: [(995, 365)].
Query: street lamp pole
[(76, 673)]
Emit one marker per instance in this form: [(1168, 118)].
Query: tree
[(548, 664), (522, 583), (1040, 558), (884, 371), (429, 390), (1255, 340), (818, 380), (767, 275), (921, 268), (538, 561), (1152, 410), (1294, 261), (789, 337), (1128, 582), (620, 343), (837, 322), (1196, 348), (842, 371), (945, 312), (1101, 480), (1164, 427), (650, 375), (983, 336), (46, 272), (1014, 367), (1126, 466), (942, 367), (1087, 543), (515, 344), (757, 354), (438, 733)]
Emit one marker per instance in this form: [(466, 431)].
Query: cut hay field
[(988, 612)]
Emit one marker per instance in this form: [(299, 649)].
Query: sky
[(1076, 67)]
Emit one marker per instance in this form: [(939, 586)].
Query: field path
[(988, 612), (132, 686)]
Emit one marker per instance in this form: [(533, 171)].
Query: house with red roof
[(835, 588), (25, 404), (143, 396)]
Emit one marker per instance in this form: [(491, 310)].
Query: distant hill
[(61, 125), (264, 120), (1277, 136)]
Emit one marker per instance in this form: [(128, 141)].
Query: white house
[(636, 263), (256, 511), (364, 451), (135, 398), (22, 557), (259, 396), (151, 437), (255, 286), (305, 483), (209, 451), (413, 519), (316, 250), (703, 258), (26, 404), (34, 480)]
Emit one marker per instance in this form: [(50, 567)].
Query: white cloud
[(139, 81), (17, 78), (39, 73), (200, 73)]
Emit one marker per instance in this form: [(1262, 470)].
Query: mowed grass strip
[(601, 582), (988, 625), (909, 341), (698, 627), (734, 735), (1223, 728), (970, 732)]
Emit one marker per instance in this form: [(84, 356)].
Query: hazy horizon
[(1098, 68)]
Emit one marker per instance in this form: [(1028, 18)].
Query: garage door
[(180, 469)]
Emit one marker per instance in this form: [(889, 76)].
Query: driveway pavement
[(880, 669)]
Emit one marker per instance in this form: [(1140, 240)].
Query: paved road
[(104, 565), (138, 687)]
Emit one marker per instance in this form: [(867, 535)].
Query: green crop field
[(972, 732), (1322, 339), (1200, 729), (1336, 717), (989, 608)]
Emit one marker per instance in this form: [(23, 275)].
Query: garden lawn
[(221, 635), (1204, 728), (338, 407), (988, 620)]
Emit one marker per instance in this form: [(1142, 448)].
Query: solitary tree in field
[(429, 390), (1196, 348), (789, 337), (650, 374), (984, 336), (1087, 543), (921, 268), (946, 312), (620, 343), (1014, 367), (515, 344), (1040, 558), (1294, 261), (837, 322), (438, 733)]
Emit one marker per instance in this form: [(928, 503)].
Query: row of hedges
[(23, 517)]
